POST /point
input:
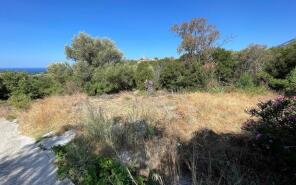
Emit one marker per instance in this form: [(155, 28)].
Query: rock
[(49, 134), (62, 140)]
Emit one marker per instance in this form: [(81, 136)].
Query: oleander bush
[(273, 129)]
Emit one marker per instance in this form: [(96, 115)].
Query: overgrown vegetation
[(189, 138)]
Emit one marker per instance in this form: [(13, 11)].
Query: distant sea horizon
[(27, 70)]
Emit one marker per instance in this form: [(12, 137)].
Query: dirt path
[(22, 162)]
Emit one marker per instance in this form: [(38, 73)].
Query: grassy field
[(181, 114), (193, 136)]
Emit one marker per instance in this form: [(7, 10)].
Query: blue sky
[(33, 33)]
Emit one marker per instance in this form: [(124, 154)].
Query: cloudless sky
[(33, 33)]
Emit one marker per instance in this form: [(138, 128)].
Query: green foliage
[(170, 75), (283, 61), (177, 76), (274, 128), (274, 83), (20, 101), (82, 73), (245, 81), (61, 72), (112, 79), (143, 72), (33, 86), (3, 90), (225, 65), (94, 51), (291, 87), (92, 170)]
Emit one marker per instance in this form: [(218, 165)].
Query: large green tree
[(94, 51)]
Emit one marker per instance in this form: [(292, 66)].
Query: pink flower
[(258, 136)]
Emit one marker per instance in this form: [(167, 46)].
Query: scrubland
[(164, 138), (181, 113)]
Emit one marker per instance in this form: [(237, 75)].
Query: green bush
[(143, 72), (282, 62), (178, 76), (112, 79), (225, 66), (291, 84), (245, 81), (20, 101), (171, 75), (34, 86), (274, 83), (61, 72), (3, 90)]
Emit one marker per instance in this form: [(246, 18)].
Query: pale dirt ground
[(22, 162)]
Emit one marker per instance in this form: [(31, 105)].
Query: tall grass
[(52, 114)]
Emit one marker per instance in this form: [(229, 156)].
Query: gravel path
[(22, 162)]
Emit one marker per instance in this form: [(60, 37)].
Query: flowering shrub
[(274, 129)]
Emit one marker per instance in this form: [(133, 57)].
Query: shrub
[(20, 101), (61, 72), (170, 76), (245, 81), (112, 79), (34, 86), (274, 83), (282, 62), (291, 84), (3, 90), (143, 72), (225, 65), (84, 168), (273, 130)]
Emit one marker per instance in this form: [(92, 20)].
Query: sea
[(28, 70)]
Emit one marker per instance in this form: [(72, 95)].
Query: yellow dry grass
[(51, 114), (4, 111), (181, 114)]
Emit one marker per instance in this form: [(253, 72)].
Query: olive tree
[(96, 52)]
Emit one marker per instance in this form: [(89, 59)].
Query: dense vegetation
[(99, 68)]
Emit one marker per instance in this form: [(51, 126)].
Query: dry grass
[(181, 114), (52, 114), (186, 113), (4, 111)]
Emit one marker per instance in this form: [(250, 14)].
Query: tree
[(198, 39), (96, 52), (282, 62), (225, 65), (61, 72), (251, 60), (82, 73)]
